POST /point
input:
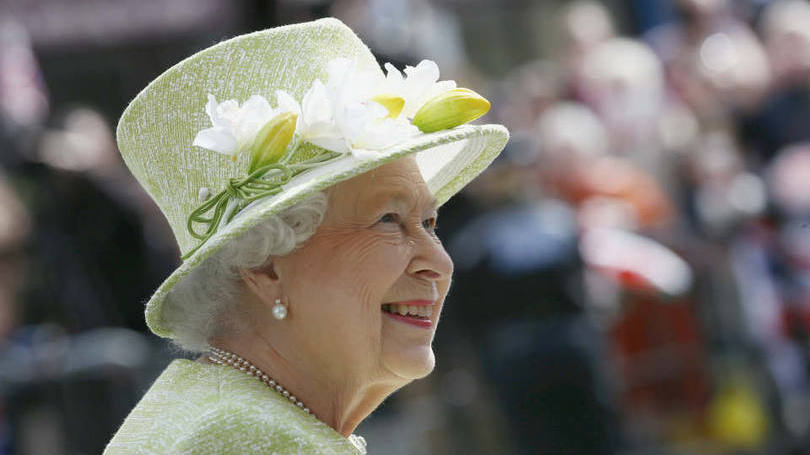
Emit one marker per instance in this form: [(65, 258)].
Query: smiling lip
[(414, 302), (423, 323)]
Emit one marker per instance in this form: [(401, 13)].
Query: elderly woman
[(312, 279)]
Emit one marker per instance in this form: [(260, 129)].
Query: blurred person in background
[(540, 353), (584, 25), (714, 61), (785, 32), (723, 194), (579, 169), (83, 202), (15, 226), (628, 191), (14, 229), (60, 361), (770, 258), (784, 118), (24, 103), (623, 82)]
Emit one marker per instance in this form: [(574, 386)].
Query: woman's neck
[(341, 403)]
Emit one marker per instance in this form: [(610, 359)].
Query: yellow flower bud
[(393, 103), (272, 140), (450, 109)]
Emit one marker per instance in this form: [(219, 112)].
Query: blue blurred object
[(652, 13), (517, 240)]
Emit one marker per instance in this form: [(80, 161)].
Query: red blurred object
[(660, 356), (796, 319), (656, 339), (632, 280)]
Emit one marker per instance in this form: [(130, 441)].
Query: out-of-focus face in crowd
[(786, 32), (577, 166), (85, 143), (623, 81), (789, 180), (585, 24), (734, 66)]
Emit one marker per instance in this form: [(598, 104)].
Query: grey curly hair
[(196, 306)]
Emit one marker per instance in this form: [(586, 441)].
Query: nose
[(430, 260)]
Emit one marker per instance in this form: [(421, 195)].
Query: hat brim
[(448, 160)]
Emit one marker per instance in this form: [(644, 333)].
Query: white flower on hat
[(233, 128), (420, 84), (316, 123), (341, 115), (366, 124)]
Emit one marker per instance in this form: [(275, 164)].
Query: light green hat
[(156, 132)]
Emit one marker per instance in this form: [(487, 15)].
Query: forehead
[(399, 179)]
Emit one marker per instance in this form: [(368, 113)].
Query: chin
[(412, 365)]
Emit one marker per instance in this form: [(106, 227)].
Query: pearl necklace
[(223, 357)]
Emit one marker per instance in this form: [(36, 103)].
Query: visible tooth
[(429, 311), (412, 309), (423, 311), (402, 309)]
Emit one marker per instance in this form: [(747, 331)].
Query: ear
[(262, 282)]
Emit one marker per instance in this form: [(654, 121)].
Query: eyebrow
[(404, 196)]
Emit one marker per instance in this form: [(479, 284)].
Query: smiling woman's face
[(375, 247)]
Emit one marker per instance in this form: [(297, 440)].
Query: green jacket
[(196, 408)]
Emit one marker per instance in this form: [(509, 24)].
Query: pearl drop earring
[(279, 310)]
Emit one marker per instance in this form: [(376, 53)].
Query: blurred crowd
[(674, 165), (632, 274)]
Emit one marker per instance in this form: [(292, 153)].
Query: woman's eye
[(389, 218)]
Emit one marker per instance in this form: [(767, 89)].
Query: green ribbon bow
[(239, 192)]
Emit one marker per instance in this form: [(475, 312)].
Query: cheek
[(443, 287), (353, 266)]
